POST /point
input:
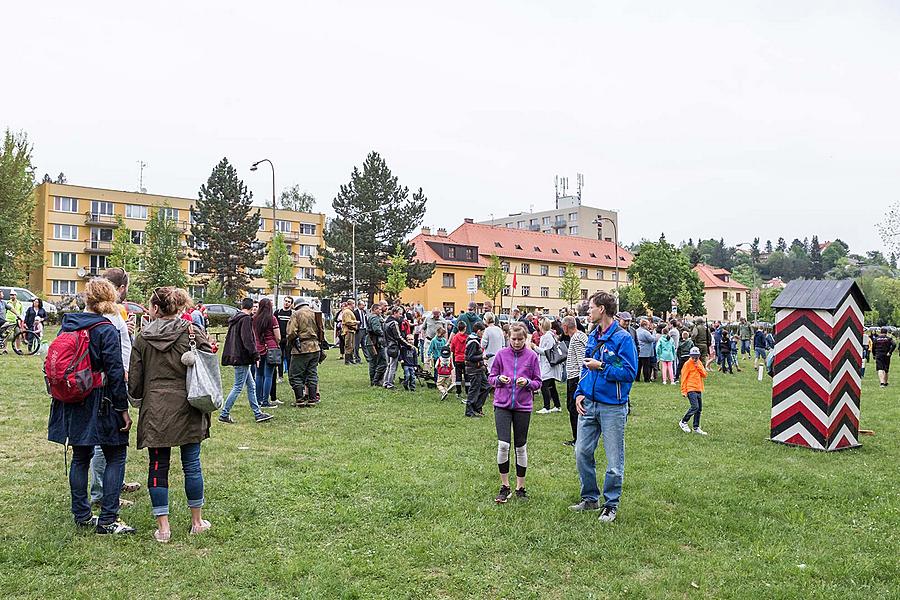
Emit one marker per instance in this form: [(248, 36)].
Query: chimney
[(469, 220), (442, 232), (426, 230)]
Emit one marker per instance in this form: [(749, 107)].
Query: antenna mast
[(141, 187)]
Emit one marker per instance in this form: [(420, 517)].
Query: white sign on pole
[(754, 301), (472, 285)]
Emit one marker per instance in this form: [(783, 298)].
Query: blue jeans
[(158, 477), (608, 419), (98, 468), (264, 375), (409, 378), (113, 477), (242, 377)]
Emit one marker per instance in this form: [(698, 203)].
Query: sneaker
[(300, 403), (444, 396), (608, 514), (276, 402), (123, 503), (90, 523), (544, 411), (263, 417), (555, 409), (684, 426), (699, 431), (226, 419), (570, 443), (503, 495), (585, 505), (115, 528), (521, 494)]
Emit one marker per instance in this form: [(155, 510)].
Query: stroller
[(423, 375)]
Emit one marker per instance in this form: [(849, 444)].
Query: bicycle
[(25, 342)]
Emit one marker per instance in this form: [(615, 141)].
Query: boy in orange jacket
[(692, 377)]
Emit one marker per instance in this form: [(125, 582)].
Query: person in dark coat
[(240, 351), (158, 376), (34, 312), (102, 419)]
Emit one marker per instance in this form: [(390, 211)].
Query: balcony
[(291, 236), (534, 227), (559, 224), (97, 247), (92, 218)]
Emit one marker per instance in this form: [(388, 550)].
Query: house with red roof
[(725, 298)]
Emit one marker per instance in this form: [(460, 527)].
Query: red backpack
[(67, 368)]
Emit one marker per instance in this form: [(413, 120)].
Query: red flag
[(514, 280)]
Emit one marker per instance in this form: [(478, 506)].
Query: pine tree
[(20, 242), (225, 227), (782, 245), (769, 248), (816, 270), (570, 286), (162, 253), (754, 252), (396, 274), (278, 269), (494, 279), (385, 214)]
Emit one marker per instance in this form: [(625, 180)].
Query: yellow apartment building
[(77, 224), (538, 261)]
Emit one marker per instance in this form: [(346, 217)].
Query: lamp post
[(353, 245), (599, 223), (254, 167)]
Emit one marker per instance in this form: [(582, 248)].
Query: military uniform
[(304, 336), (349, 325)]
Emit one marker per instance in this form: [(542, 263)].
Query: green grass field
[(379, 494)]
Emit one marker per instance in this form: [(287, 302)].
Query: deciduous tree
[(279, 267), (162, 253), (570, 286), (494, 279), (20, 242)]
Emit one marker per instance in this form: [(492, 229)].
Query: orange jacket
[(692, 376)]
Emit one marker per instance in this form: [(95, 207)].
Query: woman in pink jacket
[(515, 377)]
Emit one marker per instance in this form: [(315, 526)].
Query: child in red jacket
[(458, 347)]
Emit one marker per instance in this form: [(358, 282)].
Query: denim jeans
[(158, 477), (696, 401), (113, 477), (98, 468), (608, 420), (242, 377), (409, 378), (264, 375)]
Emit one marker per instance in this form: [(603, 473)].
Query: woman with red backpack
[(90, 404)]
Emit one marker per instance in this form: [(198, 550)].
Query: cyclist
[(14, 315)]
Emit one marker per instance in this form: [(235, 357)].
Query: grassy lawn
[(380, 494)]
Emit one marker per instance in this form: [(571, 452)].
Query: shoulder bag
[(204, 382)]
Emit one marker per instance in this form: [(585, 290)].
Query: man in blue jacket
[(609, 369)]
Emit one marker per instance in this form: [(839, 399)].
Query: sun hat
[(695, 351)]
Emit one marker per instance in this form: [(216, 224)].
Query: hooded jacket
[(615, 349), (158, 376), (240, 342), (469, 318), (98, 419), (515, 364)]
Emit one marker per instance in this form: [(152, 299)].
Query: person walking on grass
[(166, 419), (550, 373), (394, 341), (458, 347), (241, 352), (692, 377), (476, 376), (745, 332), (601, 400), (305, 339), (759, 346), (443, 371), (665, 353), (349, 327), (515, 376), (433, 350), (102, 419), (268, 337), (646, 349), (574, 359), (409, 356), (883, 346), (492, 340), (283, 315)]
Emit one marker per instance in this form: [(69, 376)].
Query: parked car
[(503, 319), (221, 309), (26, 298)]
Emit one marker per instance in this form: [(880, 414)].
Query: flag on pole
[(514, 280)]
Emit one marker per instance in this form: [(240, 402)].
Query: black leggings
[(460, 368), (549, 392), (517, 421)]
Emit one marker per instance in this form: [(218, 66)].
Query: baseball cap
[(624, 315), (695, 351)]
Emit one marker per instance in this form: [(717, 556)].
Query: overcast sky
[(699, 119)]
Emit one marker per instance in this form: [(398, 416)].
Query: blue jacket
[(759, 340), (615, 349), (94, 421)]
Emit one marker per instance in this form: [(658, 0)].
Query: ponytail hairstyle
[(100, 296), (170, 300)]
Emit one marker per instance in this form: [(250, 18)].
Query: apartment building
[(538, 261), (77, 225), (569, 218)]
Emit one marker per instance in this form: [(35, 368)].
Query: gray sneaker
[(608, 514), (263, 417), (585, 505)]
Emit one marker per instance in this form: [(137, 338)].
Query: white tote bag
[(204, 382)]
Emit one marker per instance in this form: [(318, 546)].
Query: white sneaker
[(699, 431), (555, 409), (684, 426), (543, 411)]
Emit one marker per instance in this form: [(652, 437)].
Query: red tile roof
[(709, 276), (507, 242)]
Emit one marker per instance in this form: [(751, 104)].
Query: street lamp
[(254, 167), (599, 223), (353, 244)]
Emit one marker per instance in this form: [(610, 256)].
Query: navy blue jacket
[(94, 421), (615, 349)]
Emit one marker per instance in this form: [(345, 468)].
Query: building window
[(738, 315), (306, 250), (101, 234), (63, 287), (545, 292), (65, 232), (615, 276), (546, 220), (135, 211), (98, 264), (583, 274), (262, 224), (63, 204), (725, 296), (508, 225), (573, 217), (545, 269), (137, 237), (64, 259), (737, 298), (521, 224), (526, 268), (504, 266), (470, 254), (282, 226), (599, 273), (168, 213), (584, 294), (308, 228), (562, 271), (724, 315), (101, 208), (197, 291), (505, 291), (448, 280), (573, 230), (451, 252), (526, 290), (193, 267), (559, 293)]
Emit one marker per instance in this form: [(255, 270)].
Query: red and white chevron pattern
[(818, 370)]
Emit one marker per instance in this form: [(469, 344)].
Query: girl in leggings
[(515, 377)]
